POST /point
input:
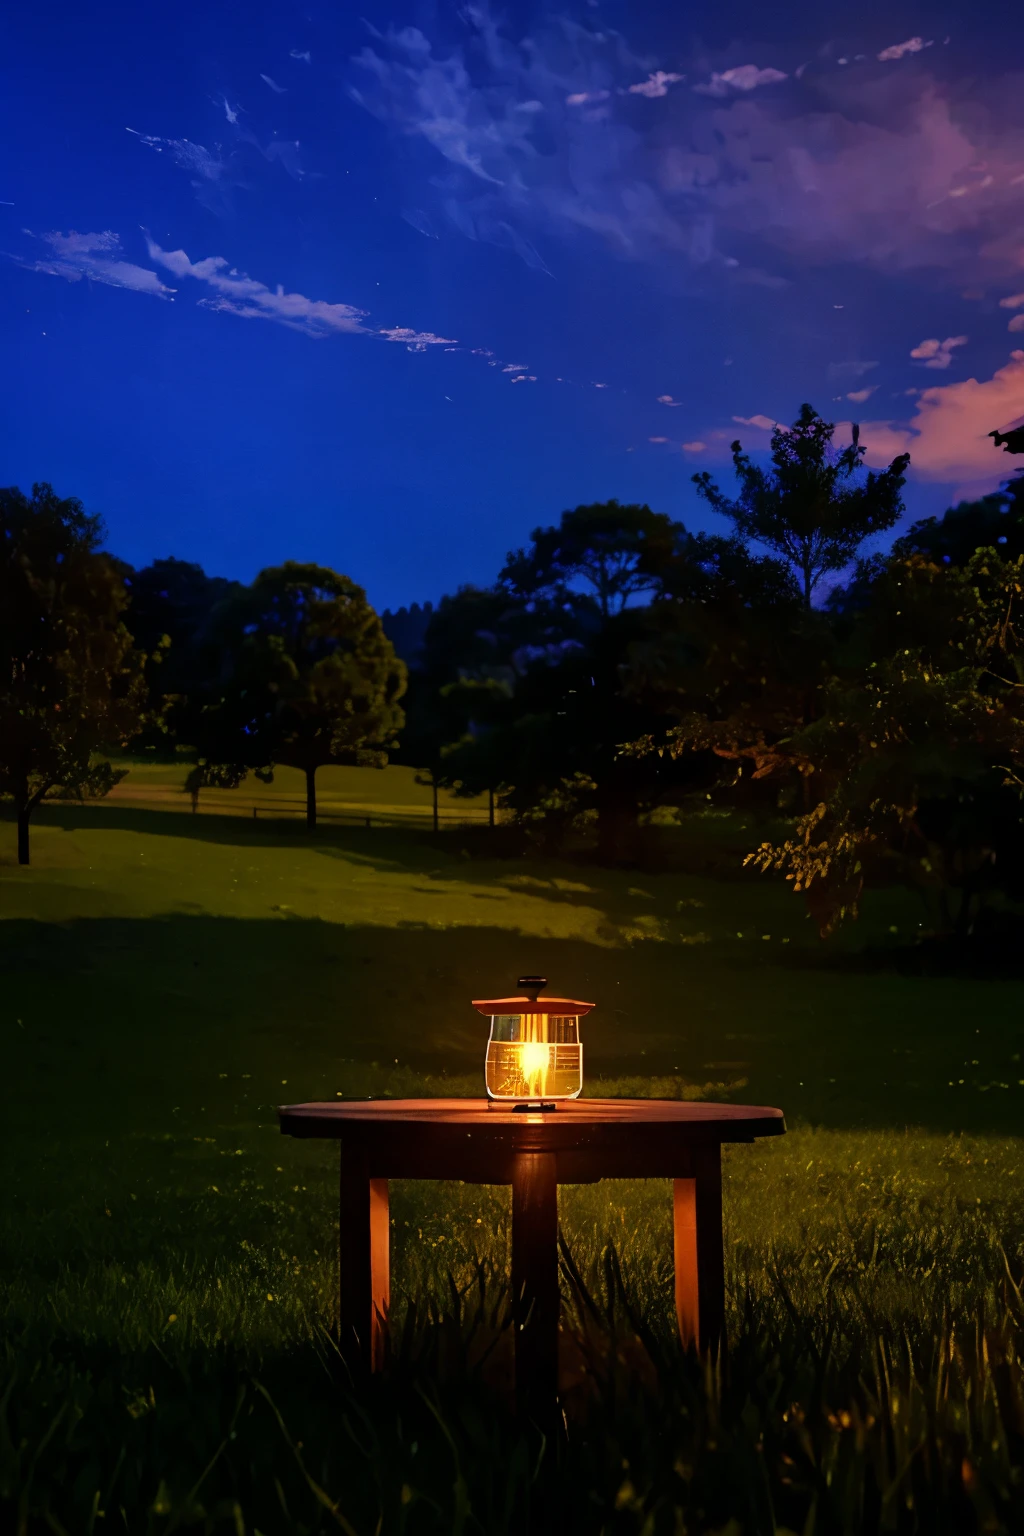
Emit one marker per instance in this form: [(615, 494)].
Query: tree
[(995, 522), (607, 548), (71, 681), (917, 756), (310, 678), (406, 628), (811, 508), (735, 662), (462, 680), (169, 616), (1011, 441)]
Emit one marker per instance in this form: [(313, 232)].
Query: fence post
[(254, 813), (490, 806)]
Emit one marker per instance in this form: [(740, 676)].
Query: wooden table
[(581, 1141)]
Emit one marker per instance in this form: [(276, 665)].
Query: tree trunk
[(616, 829), (23, 817), (310, 799), (436, 819), (490, 807)]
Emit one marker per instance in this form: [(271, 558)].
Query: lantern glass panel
[(534, 1057)]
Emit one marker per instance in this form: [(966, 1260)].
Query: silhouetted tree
[(310, 678), (607, 550), (71, 681), (993, 522), (1010, 442), (810, 508), (406, 628), (169, 614), (917, 755)]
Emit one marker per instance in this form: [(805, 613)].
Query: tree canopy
[(815, 506), (71, 680), (309, 677)]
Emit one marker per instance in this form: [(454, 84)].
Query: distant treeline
[(619, 667)]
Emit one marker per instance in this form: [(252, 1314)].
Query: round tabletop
[(638, 1130), (332, 1116)]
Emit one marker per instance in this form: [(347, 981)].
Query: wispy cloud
[(934, 353), (209, 169), (236, 293), (415, 341), (1016, 324), (900, 50), (851, 368), (858, 396), (217, 173), (694, 447), (746, 77), (762, 423), (1015, 301), (947, 438), (668, 400), (860, 166), (302, 54), (94, 256), (279, 90), (655, 85)]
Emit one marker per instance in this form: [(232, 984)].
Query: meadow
[(167, 1258)]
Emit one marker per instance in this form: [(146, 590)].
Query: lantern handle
[(532, 986)]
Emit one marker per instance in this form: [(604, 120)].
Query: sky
[(385, 287)]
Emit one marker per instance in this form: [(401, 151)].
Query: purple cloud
[(934, 353), (415, 341), (97, 257), (655, 85), (236, 293), (747, 77)]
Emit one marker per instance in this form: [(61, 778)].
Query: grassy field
[(344, 795), (166, 981)]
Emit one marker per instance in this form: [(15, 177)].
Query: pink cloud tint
[(747, 77), (934, 353), (947, 438), (655, 85)]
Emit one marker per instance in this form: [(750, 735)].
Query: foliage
[(809, 508), (309, 677), (523, 685), (168, 617), (71, 682), (732, 658), (917, 758), (995, 521), (611, 550)]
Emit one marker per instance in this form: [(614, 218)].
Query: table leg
[(535, 1281), (699, 1263), (364, 1263)]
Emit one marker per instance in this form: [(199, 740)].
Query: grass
[(343, 794), (166, 1259)]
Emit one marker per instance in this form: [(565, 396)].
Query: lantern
[(534, 1054)]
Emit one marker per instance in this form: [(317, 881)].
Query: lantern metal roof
[(536, 1004)]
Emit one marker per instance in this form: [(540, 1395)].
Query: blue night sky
[(387, 289)]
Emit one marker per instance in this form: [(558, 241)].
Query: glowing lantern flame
[(534, 1053)]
